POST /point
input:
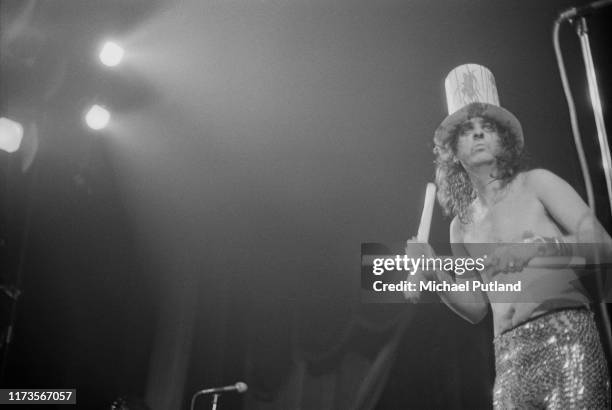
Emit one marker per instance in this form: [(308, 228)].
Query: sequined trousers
[(552, 362)]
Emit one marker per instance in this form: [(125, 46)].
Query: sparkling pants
[(552, 362)]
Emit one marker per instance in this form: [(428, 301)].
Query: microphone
[(239, 387), (590, 8)]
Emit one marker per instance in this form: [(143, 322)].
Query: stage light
[(97, 117), (111, 54), (11, 134)]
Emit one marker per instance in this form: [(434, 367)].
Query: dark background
[(212, 233)]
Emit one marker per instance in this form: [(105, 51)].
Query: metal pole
[(215, 401), (583, 34)]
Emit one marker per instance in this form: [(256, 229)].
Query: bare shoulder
[(456, 230), (457, 237), (548, 186), (540, 178), (558, 197)]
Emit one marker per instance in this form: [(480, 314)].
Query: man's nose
[(478, 135)]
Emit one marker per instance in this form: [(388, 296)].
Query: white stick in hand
[(423, 237), (428, 205)]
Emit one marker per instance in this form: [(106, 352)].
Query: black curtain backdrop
[(87, 313)]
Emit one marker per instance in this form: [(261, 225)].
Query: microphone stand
[(583, 34), (239, 387), (582, 31), (214, 401)]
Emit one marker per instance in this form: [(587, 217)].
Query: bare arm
[(473, 305), (569, 211), (470, 305)]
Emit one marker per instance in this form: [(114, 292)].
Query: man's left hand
[(509, 258)]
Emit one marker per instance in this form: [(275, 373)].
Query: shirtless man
[(547, 348)]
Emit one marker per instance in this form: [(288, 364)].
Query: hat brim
[(499, 114)]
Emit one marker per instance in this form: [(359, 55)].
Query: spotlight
[(11, 133), (111, 54), (97, 117)]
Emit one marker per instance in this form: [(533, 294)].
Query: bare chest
[(509, 219)]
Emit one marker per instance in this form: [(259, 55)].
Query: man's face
[(477, 142)]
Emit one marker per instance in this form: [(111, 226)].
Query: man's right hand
[(416, 249)]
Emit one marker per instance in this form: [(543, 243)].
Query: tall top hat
[(471, 92)]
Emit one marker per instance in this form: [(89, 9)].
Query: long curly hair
[(455, 190)]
